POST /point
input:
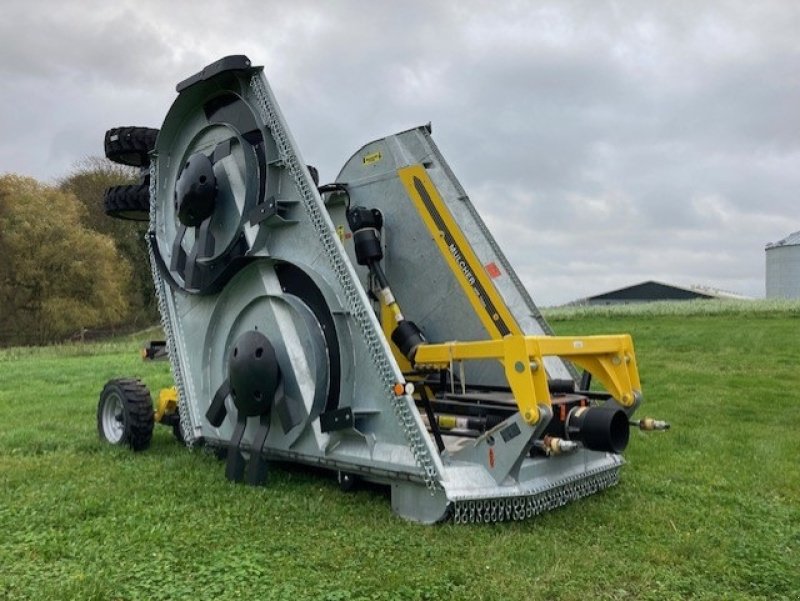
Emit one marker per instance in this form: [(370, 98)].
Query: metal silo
[(783, 267)]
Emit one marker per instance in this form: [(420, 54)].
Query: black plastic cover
[(599, 428), (360, 217), (196, 190), (367, 245), (253, 374), (236, 62), (407, 336)]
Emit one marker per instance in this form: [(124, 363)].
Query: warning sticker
[(510, 432), (372, 158), (493, 270)]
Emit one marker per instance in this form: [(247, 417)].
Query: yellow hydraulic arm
[(610, 359)]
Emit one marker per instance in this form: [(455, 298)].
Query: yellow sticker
[(371, 158)]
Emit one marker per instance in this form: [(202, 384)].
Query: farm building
[(651, 291), (783, 267)]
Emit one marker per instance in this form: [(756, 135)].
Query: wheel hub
[(254, 373), (113, 420)]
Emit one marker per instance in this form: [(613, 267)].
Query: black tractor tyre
[(314, 174), (347, 481), (177, 430), (131, 202), (125, 414), (130, 145)]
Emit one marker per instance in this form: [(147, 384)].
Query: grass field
[(708, 510)]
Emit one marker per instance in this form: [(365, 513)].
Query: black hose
[(434, 424), (335, 187)]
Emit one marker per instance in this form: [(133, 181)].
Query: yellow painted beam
[(458, 254)]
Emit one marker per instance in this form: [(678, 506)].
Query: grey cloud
[(605, 143)]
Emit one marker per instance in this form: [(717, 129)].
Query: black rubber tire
[(127, 401), (177, 431), (347, 481), (130, 145), (221, 453), (131, 202), (314, 174)]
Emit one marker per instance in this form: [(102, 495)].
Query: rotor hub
[(253, 373), (196, 190)]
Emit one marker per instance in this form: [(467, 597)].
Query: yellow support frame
[(610, 359)]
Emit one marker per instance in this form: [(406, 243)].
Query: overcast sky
[(604, 143)]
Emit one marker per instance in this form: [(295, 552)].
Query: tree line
[(66, 269)]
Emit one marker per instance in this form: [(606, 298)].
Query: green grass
[(773, 307), (708, 510)]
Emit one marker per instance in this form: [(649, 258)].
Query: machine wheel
[(131, 202), (130, 145), (347, 481), (177, 432), (125, 414), (314, 174)]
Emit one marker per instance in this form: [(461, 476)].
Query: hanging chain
[(162, 292)]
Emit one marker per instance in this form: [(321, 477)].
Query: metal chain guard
[(516, 508)]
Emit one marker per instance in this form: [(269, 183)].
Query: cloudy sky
[(605, 143)]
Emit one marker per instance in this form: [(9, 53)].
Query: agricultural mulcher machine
[(371, 326)]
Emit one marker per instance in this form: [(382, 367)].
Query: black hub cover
[(196, 190), (253, 374)]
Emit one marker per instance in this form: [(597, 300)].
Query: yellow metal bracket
[(167, 403), (610, 359)]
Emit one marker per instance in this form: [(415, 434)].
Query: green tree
[(58, 277), (88, 182)]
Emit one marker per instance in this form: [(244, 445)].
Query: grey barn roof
[(790, 240), (651, 290)]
